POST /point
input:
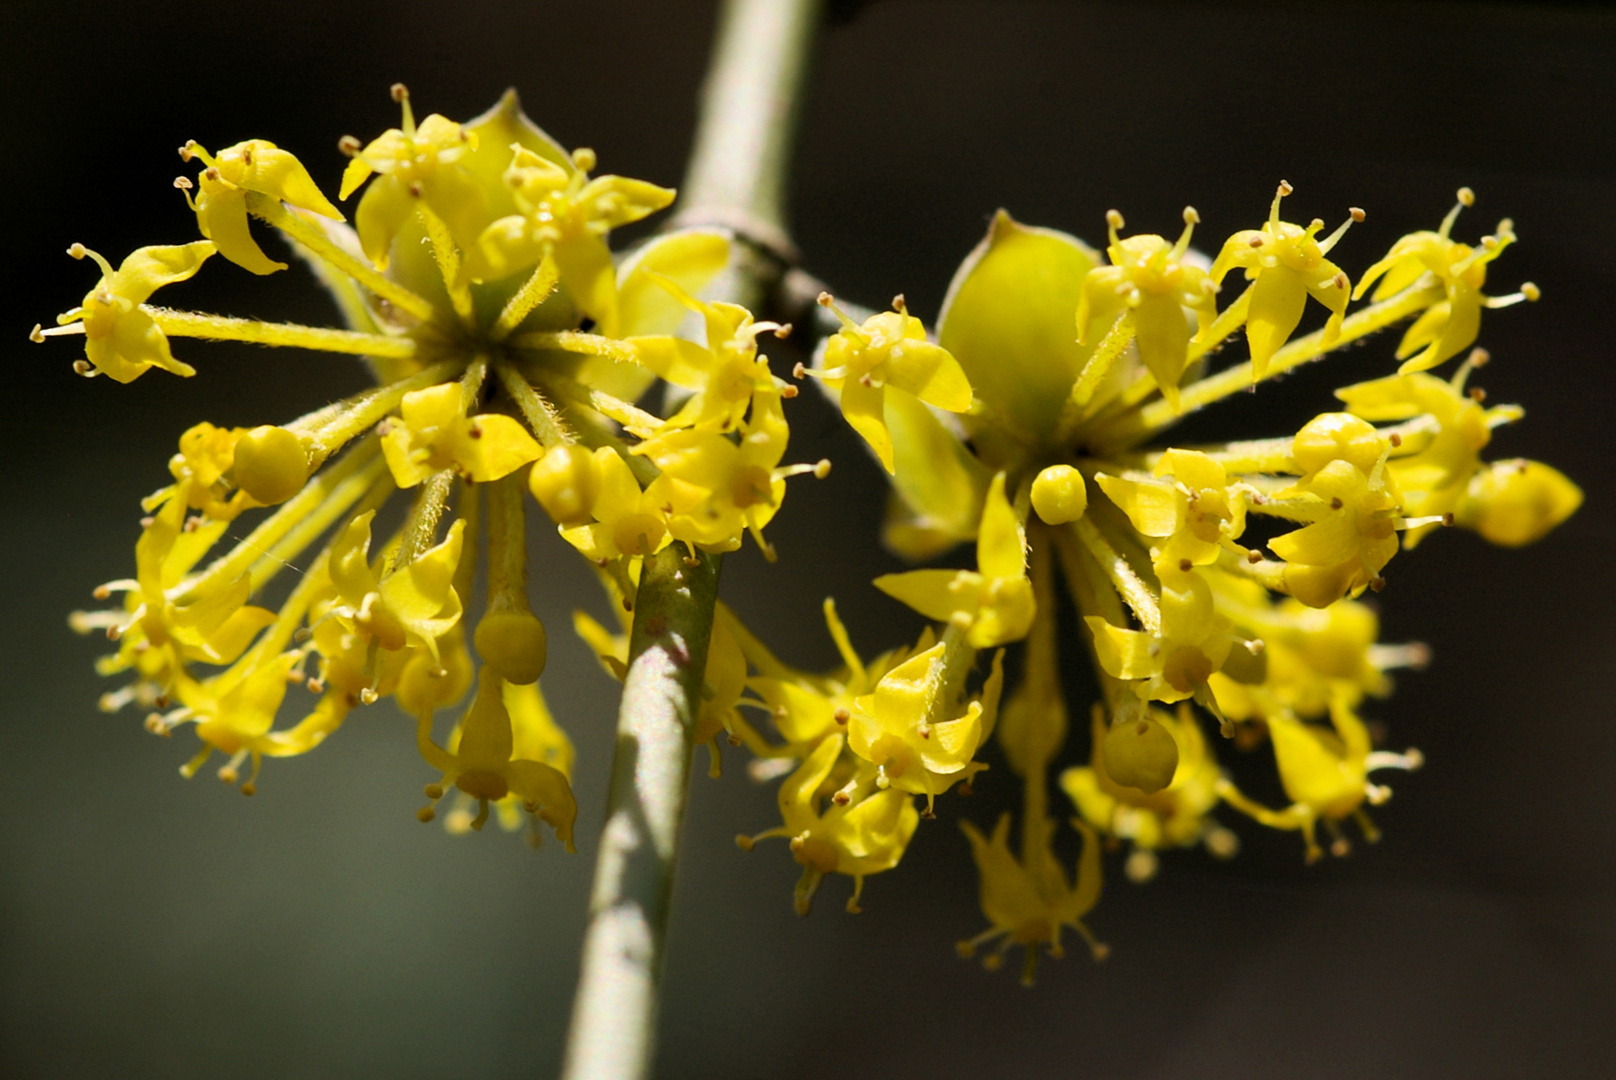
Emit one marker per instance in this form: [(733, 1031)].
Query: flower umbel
[(509, 355)]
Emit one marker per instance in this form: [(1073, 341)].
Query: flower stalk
[(735, 179)]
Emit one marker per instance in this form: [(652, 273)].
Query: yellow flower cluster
[(509, 352), (1028, 424)]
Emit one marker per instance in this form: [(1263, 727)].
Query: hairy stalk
[(736, 178)]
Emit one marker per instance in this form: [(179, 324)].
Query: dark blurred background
[(154, 927)]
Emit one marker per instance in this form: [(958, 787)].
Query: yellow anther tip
[(1531, 291), (1466, 197)]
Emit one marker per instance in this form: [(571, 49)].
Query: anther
[(1477, 394), (1191, 217), (789, 392), (1285, 188), (415, 188), (841, 798), (84, 368), (183, 183), (842, 716), (744, 842), (303, 634), (1395, 439), (899, 306), (1185, 565), (78, 251), (782, 331), (1256, 241), (433, 791), (824, 299), (368, 696), (1478, 357), (146, 522), (822, 468), (315, 685), (1377, 583), (249, 789), (1114, 219), (797, 372), (1447, 520), (1357, 214), (1466, 197), (161, 701), (37, 335), (1254, 557), (1531, 292), (399, 91), (1335, 504)]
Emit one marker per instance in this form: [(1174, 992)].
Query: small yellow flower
[(206, 456), (1029, 904), (483, 766), (121, 339), (1149, 277), (1195, 512), (714, 488), (1350, 501), (417, 167), (214, 626), (629, 522), (889, 349), (535, 736), (897, 727), (256, 167), (1286, 265), (434, 434), (1449, 327), (393, 608), (565, 216), (1174, 662), (856, 838), (994, 604), (1325, 773), (806, 708), (724, 373)]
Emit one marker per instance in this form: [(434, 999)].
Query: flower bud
[(1059, 495), (1140, 753), (566, 482), (1517, 502), (271, 464), (1338, 436), (512, 643)]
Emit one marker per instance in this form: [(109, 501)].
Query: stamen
[(1354, 216), (1273, 211), (1191, 219), (348, 145), (1466, 198), (1113, 222), (401, 94), (828, 302)]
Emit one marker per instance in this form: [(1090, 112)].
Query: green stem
[(614, 1014), (736, 178)]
